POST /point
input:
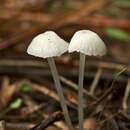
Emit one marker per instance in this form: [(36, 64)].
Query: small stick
[(51, 93), (75, 86), (2, 125), (101, 63), (95, 81), (110, 117), (111, 89), (19, 126), (124, 116), (126, 95), (92, 106), (50, 120), (110, 64)]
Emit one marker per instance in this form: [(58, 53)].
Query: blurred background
[(27, 91)]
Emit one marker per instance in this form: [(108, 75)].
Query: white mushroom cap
[(88, 43), (47, 44)]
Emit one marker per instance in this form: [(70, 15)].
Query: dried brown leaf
[(90, 124), (7, 91)]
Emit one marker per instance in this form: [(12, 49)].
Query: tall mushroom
[(87, 43), (48, 45)]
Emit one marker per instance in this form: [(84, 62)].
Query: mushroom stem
[(60, 92), (80, 93)]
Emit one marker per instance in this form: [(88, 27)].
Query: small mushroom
[(48, 45), (87, 43)]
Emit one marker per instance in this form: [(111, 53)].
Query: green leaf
[(118, 72), (53, 6), (16, 103), (117, 34), (27, 87), (123, 2)]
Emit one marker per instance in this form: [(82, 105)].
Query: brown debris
[(90, 124), (50, 120), (85, 10), (7, 91)]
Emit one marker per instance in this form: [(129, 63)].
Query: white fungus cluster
[(49, 44)]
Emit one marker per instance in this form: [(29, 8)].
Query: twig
[(75, 86), (110, 89), (95, 81), (22, 63), (110, 117), (2, 125), (51, 93), (123, 115), (126, 94), (30, 110), (109, 65), (19, 126), (9, 66), (50, 120), (92, 106), (28, 71), (91, 62)]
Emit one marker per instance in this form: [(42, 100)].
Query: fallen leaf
[(7, 91), (16, 104), (90, 124), (117, 33)]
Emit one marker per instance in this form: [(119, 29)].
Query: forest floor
[(28, 99)]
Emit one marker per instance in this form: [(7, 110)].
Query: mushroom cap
[(47, 44), (88, 43)]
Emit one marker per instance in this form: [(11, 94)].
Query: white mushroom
[(48, 45), (87, 43)]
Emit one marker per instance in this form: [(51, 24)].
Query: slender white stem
[(60, 92), (80, 94)]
